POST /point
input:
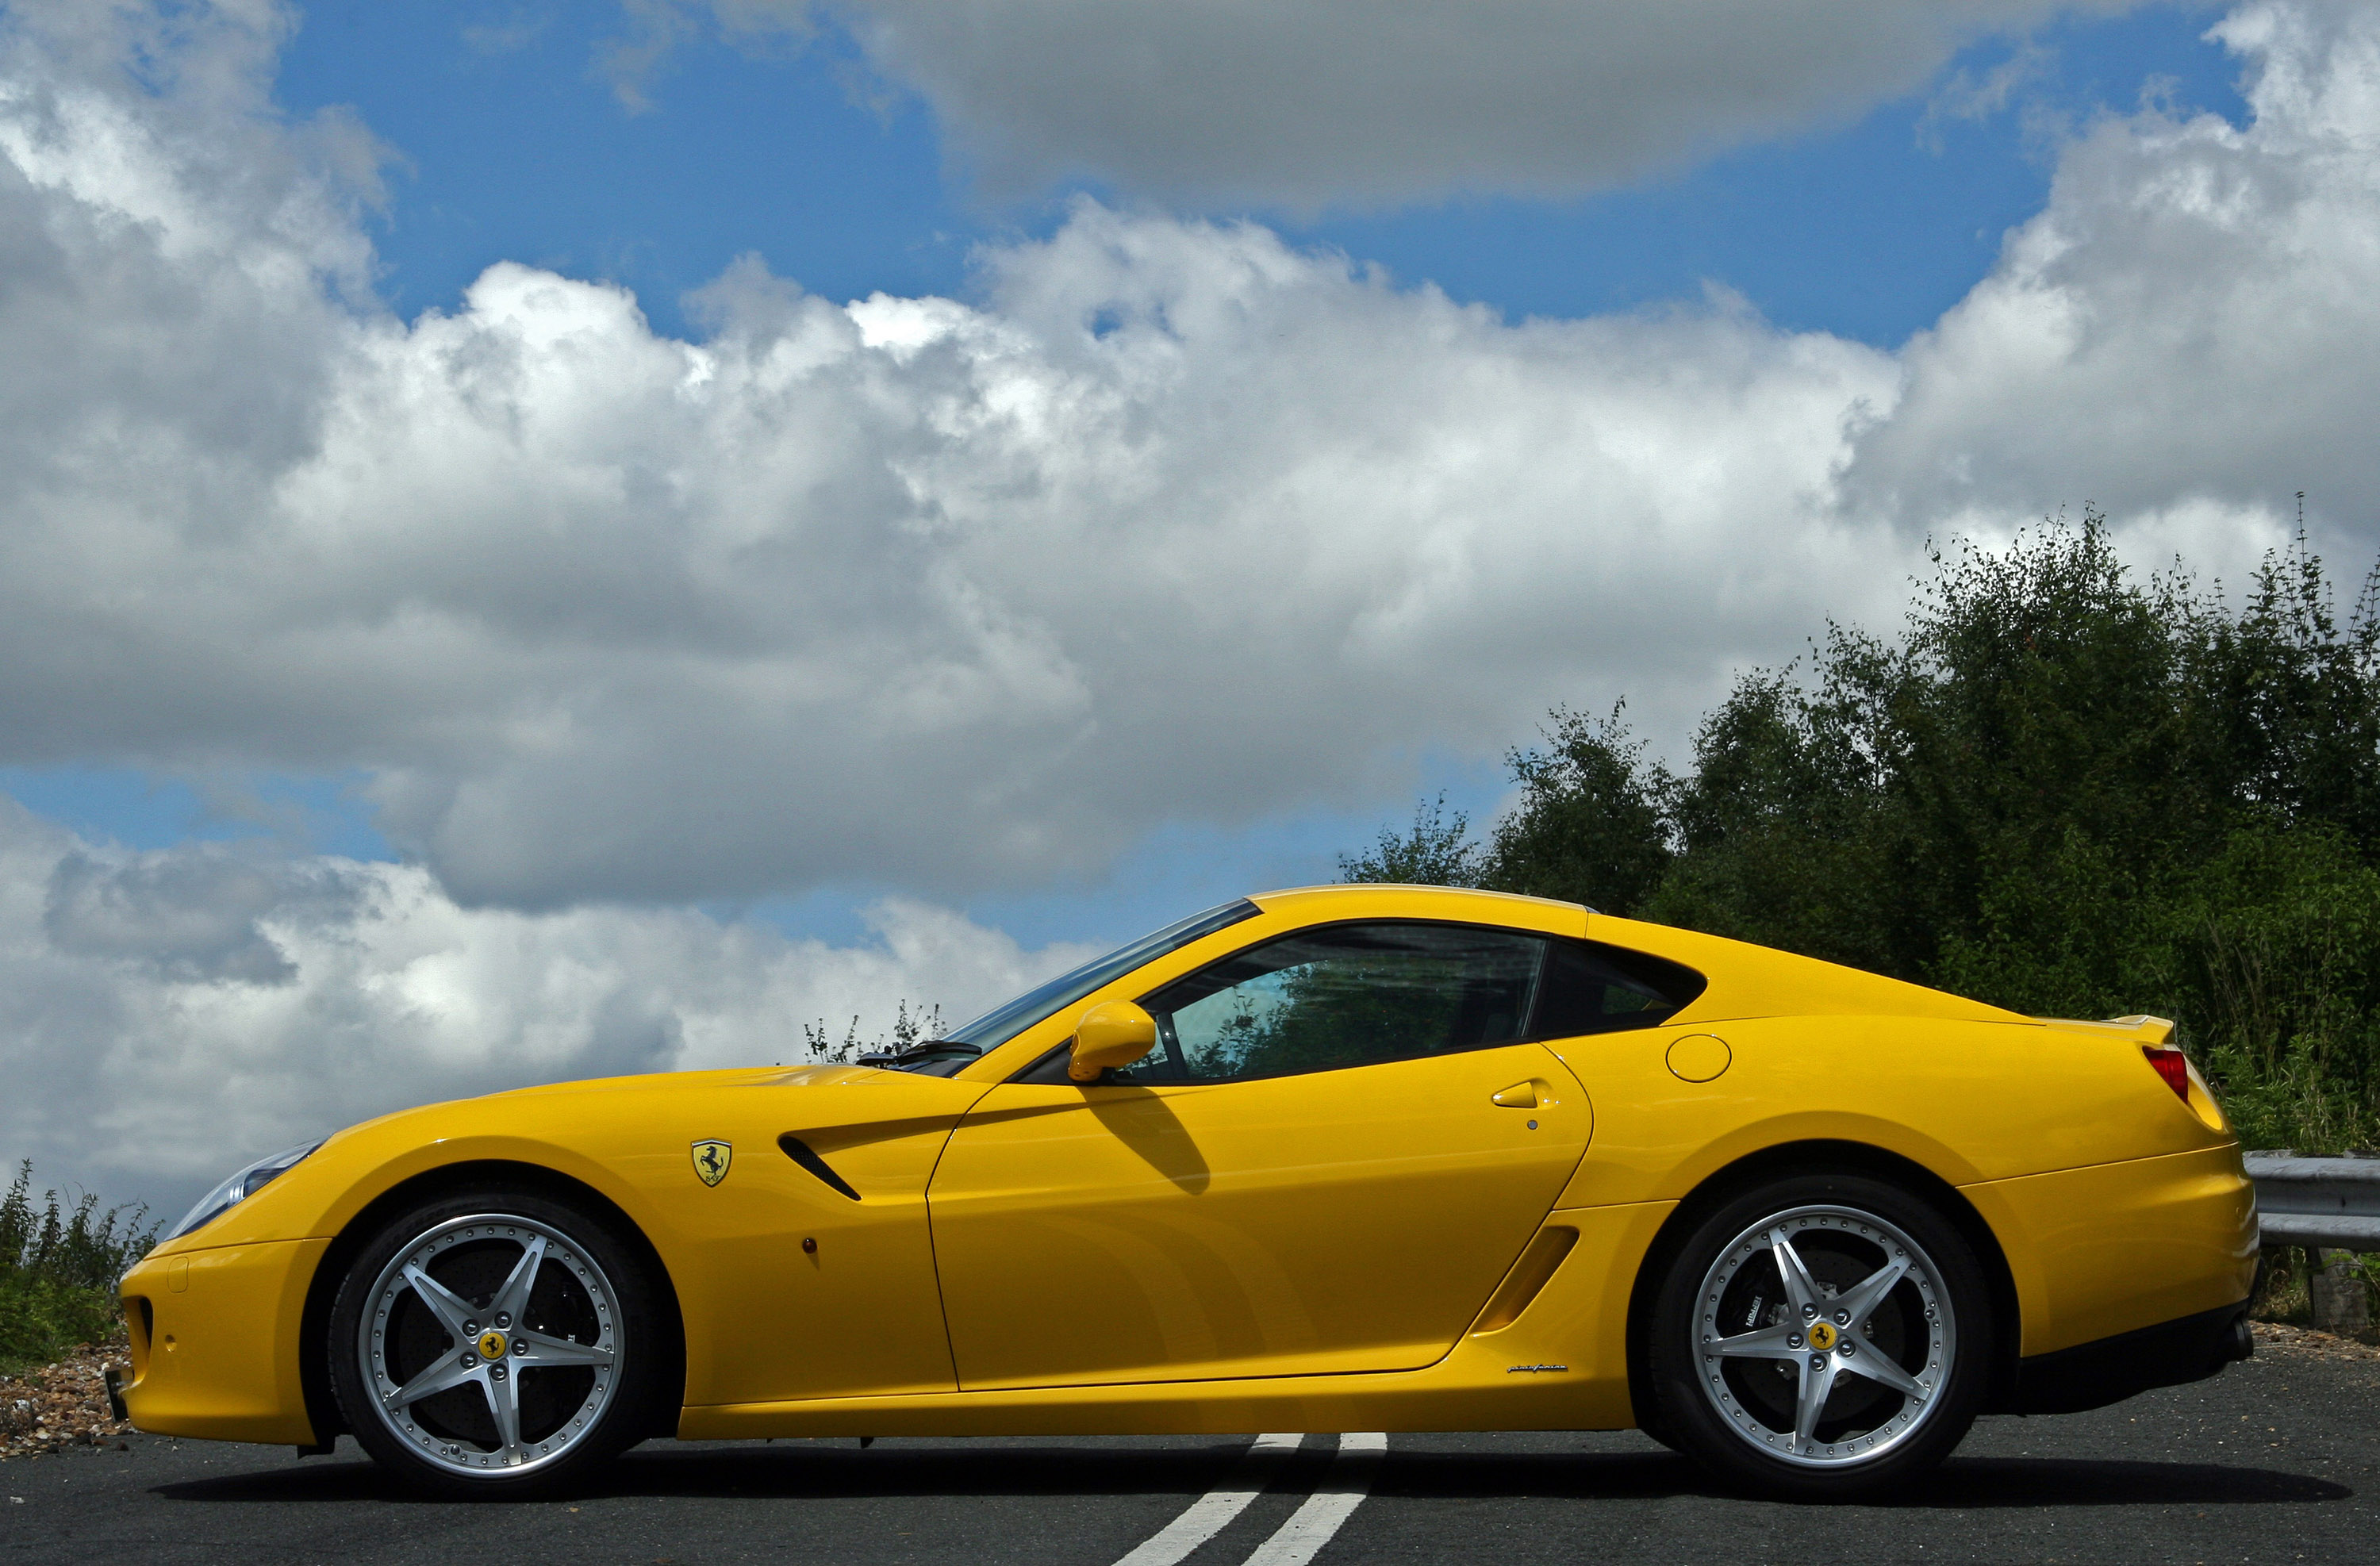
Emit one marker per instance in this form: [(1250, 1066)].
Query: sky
[(541, 541)]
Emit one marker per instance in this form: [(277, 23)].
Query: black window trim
[(1038, 1071)]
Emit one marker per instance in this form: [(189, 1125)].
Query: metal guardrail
[(2332, 1203)]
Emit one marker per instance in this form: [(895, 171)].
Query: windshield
[(997, 1027)]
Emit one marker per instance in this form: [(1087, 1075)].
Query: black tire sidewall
[(1691, 1424), (625, 1418)]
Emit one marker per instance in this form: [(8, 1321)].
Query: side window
[(1590, 988), (1344, 995)]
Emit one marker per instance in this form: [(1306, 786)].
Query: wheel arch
[(314, 1324), (1831, 1157)]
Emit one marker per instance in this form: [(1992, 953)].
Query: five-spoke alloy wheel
[(493, 1343), (1823, 1336)]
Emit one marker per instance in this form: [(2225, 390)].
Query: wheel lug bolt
[(1842, 1317), (498, 1373), (1795, 1341), (1808, 1311), (502, 1319), (1818, 1362), (471, 1328)]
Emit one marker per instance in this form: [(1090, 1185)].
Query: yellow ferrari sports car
[(1345, 1158)]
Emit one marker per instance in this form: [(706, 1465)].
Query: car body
[(1271, 1223)]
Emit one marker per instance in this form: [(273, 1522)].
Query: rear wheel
[(1823, 1337), (494, 1343)]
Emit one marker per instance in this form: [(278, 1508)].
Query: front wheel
[(1824, 1337), (493, 1343)]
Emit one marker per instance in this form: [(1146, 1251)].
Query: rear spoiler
[(2152, 1033)]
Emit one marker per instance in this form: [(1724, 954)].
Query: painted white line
[(1334, 1501), (1210, 1512)]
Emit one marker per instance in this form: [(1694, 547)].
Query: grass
[(58, 1268)]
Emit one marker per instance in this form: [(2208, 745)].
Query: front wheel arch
[(1820, 1157), (314, 1324)]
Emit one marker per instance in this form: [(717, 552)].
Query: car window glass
[(1589, 988), (1000, 1024), (1343, 995)]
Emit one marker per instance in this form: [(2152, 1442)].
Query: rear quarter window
[(1591, 987)]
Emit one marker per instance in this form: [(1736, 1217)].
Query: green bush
[(2063, 789), (58, 1267)]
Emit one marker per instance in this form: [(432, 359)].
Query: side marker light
[(2170, 1065)]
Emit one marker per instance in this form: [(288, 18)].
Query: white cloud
[(1176, 524), (2190, 323), (164, 1015), (1339, 102)]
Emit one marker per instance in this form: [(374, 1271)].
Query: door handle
[(1520, 1095)]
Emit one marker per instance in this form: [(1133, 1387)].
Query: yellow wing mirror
[(1114, 1033)]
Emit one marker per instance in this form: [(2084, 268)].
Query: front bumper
[(215, 1336)]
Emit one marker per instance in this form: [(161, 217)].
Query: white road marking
[(1334, 1501), (1208, 1514)]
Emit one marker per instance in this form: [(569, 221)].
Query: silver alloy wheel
[(492, 1345), (1843, 1338)]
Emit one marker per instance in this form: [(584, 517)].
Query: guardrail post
[(2340, 1300)]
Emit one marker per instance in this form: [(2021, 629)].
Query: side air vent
[(1531, 1273), (799, 1151)]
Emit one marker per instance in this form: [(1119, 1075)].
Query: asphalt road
[(2276, 1459)]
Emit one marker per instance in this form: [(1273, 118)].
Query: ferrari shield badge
[(710, 1161)]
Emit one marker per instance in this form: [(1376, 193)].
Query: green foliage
[(1437, 852), (58, 1267), (2063, 789), (1593, 828)]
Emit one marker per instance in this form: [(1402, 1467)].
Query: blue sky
[(512, 144)]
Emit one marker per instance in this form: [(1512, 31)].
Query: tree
[(1437, 852), (2064, 789), (1593, 823)]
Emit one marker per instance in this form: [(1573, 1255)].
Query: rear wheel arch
[(1821, 1158), (314, 1336)]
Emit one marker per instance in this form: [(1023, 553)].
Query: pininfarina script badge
[(1534, 1369), (710, 1161)]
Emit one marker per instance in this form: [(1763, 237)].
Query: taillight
[(2170, 1065)]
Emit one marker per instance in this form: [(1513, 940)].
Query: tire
[(467, 1374), (1763, 1378)]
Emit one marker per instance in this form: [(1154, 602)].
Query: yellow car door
[(1341, 1143)]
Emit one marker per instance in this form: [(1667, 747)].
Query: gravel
[(61, 1406)]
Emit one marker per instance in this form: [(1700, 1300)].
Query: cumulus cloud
[(1174, 522), (2186, 331), (165, 1015), (1354, 102), (1167, 521)]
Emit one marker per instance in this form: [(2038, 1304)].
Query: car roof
[(1461, 902)]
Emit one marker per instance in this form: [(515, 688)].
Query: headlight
[(242, 1186)]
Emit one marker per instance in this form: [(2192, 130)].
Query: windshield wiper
[(917, 1054)]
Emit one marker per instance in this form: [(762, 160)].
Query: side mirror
[(1114, 1033)]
